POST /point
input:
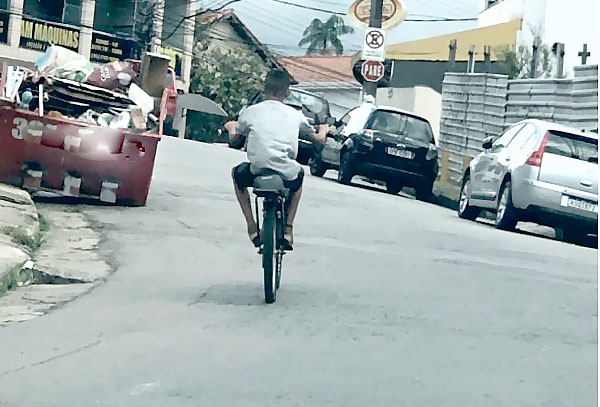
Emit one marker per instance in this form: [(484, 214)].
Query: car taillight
[(536, 157)]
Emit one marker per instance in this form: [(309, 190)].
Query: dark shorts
[(243, 178)]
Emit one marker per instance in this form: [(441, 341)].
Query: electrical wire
[(444, 19)]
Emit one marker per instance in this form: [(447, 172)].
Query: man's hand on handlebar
[(321, 136)]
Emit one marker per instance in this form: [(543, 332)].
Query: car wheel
[(465, 210), (425, 192), (345, 171), (317, 167), (393, 187), (506, 214)]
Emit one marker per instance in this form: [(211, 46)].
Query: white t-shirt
[(358, 118), (272, 129)]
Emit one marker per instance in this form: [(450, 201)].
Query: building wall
[(407, 74), (101, 45), (421, 100), (224, 37), (506, 10)]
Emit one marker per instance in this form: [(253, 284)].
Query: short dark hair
[(277, 83)]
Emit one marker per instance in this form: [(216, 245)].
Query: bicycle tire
[(268, 254)]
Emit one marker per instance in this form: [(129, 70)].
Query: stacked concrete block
[(572, 102), (473, 108), (585, 97)]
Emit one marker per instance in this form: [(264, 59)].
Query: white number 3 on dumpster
[(20, 124)]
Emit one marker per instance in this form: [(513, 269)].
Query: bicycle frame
[(272, 202)]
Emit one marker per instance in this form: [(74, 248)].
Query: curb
[(19, 235)]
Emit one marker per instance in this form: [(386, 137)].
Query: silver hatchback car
[(536, 172)]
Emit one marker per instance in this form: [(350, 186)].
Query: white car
[(537, 172)]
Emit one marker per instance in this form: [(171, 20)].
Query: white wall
[(573, 23), (421, 100), (503, 12)]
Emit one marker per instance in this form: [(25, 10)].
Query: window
[(523, 138), (572, 146), (313, 103), (490, 3), (346, 118), (505, 139), (116, 17), (3, 4), (397, 123), (58, 11)]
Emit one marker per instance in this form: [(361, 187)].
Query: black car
[(314, 107), (389, 145)]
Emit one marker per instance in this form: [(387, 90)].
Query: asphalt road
[(386, 301)]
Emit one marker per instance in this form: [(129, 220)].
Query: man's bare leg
[(243, 197), (293, 208), (291, 215)]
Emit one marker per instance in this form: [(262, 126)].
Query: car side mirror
[(488, 143)]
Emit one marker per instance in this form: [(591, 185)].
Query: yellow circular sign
[(393, 13)]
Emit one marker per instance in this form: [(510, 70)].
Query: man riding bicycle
[(269, 130)]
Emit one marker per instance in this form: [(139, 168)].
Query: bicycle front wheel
[(268, 254)]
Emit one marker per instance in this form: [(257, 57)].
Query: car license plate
[(396, 152), (582, 204)]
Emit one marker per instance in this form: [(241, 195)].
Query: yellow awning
[(437, 48)]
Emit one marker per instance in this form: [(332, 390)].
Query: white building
[(573, 23), (101, 30)]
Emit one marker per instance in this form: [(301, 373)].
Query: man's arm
[(316, 137), (236, 140), (238, 130)]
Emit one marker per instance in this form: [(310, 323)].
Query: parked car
[(539, 172), (389, 145), (313, 106)]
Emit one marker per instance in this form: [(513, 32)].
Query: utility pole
[(487, 57), (452, 54), (370, 88), (558, 49), (534, 58)]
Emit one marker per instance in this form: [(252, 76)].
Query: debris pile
[(115, 95)]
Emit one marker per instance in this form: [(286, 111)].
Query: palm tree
[(322, 37)]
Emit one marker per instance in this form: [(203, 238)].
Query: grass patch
[(44, 224), (20, 236)]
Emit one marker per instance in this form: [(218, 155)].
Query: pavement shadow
[(591, 242), (252, 295), (241, 295), (69, 200)]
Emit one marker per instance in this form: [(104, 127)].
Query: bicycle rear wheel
[(269, 254)]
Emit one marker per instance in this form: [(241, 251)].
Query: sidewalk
[(46, 259), (19, 235)]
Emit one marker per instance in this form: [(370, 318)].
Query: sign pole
[(370, 88)]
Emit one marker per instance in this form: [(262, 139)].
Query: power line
[(280, 27), (443, 19)]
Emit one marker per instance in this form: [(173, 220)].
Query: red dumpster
[(74, 158)]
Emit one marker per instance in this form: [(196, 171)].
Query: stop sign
[(373, 71)]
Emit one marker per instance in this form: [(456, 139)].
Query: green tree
[(517, 60), (323, 37), (229, 77)]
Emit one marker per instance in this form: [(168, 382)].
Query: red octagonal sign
[(373, 71)]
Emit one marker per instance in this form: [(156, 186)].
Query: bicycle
[(270, 187)]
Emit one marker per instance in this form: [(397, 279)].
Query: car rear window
[(572, 146), (401, 124), (299, 99)]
